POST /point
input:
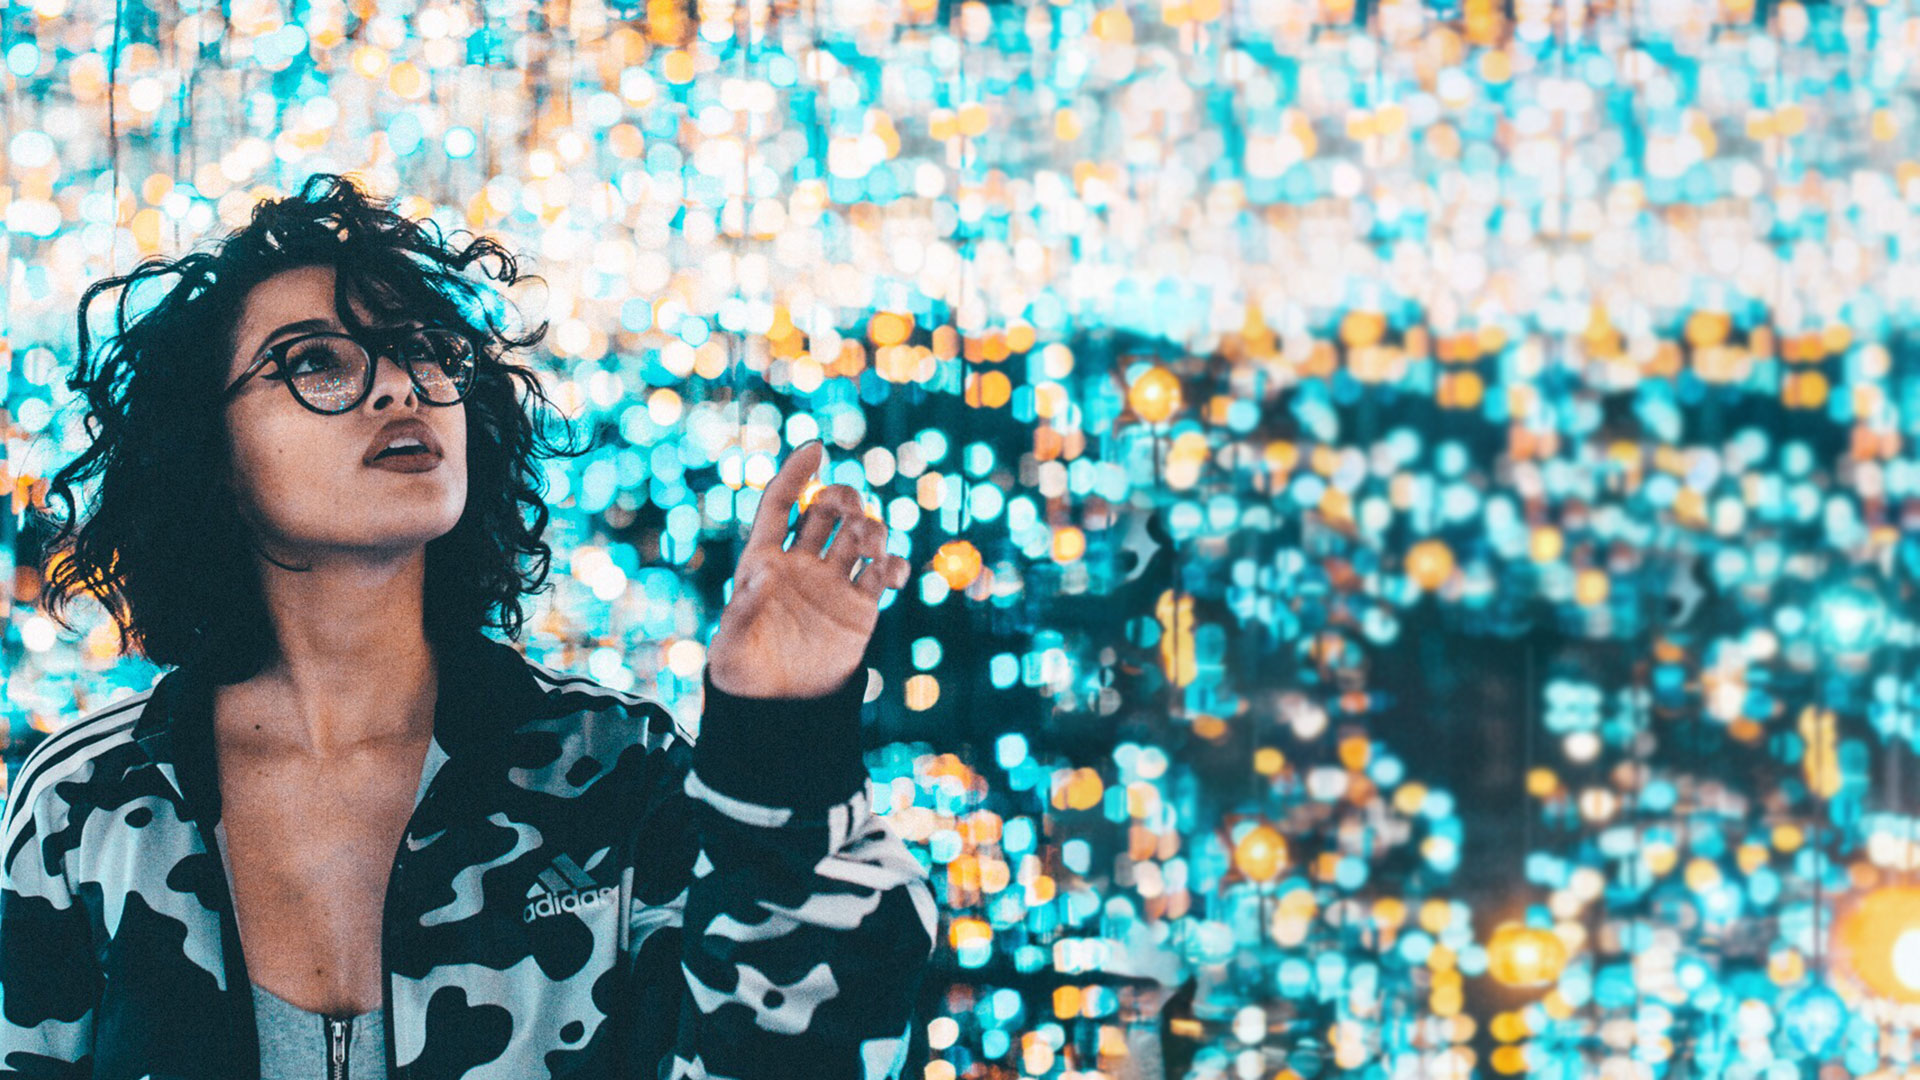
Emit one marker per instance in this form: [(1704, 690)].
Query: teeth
[(404, 442)]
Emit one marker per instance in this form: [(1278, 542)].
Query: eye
[(416, 349), (309, 357)]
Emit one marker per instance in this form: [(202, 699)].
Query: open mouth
[(402, 439)]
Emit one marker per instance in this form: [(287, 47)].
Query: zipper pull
[(337, 1065)]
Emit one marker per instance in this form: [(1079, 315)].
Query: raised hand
[(798, 622)]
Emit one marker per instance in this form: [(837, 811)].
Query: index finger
[(776, 501)]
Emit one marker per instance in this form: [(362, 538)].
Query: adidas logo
[(564, 887)]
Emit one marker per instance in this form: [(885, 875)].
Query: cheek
[(280, 466), (454, 438)]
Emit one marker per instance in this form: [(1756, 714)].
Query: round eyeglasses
[(331, 372)]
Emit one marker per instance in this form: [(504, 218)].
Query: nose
[(390, 381)]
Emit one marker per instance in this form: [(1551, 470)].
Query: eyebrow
[(302, 326), (298, 327)]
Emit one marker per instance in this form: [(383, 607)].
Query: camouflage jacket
[(583, 890)]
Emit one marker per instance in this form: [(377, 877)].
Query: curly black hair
[(163, 546)]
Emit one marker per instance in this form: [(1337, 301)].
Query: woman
[(349, 831)]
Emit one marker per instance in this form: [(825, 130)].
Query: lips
[(407, 463), (400, 429)]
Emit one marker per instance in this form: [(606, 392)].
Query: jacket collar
[(486, 689)]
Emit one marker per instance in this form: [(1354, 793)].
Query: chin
[(407, 541), (440, 485), (398, 524)]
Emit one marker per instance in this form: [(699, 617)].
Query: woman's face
[(306, 481)]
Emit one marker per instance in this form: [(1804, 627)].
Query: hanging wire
[(113, 138), (1902, 724), (1643, 723), (965, 242), (735, 343), (1174, 575), (1818, 766), (1526, 767)]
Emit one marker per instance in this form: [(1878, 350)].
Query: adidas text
[(568, 901)]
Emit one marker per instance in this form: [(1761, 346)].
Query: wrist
[(765, 685), (802, 752)]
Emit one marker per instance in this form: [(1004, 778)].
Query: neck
[(354, 665)]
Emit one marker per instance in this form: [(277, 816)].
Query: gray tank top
[(296, 1044)]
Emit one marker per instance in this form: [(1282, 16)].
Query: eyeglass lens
[(330, 373)]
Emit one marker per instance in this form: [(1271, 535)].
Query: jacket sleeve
[(49, 978), (808, 923)]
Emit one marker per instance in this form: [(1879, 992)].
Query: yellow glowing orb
[(958, 562), (1261, 853), (1430, 562), (1525, 956), (1155, 395), (1879, 941)]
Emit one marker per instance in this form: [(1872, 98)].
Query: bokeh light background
[(1407, 499)]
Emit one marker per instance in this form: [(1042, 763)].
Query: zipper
[(338, 1028)]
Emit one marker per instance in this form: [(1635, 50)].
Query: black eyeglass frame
[(375, 346)]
